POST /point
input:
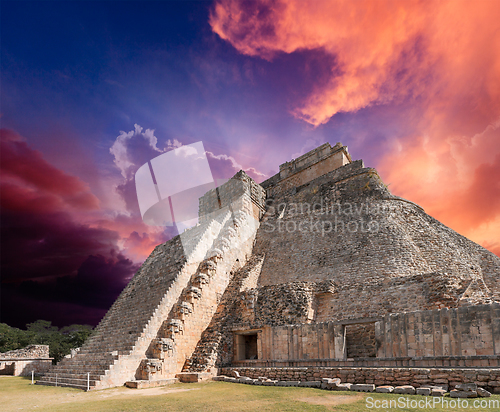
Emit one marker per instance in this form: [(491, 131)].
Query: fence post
[(32, 377), (56, 379), (88, 381)]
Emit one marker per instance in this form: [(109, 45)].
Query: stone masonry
[(22, 362), (318, 267)]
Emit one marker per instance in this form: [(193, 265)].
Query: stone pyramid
[(323, 240)]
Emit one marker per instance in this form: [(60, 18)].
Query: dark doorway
[(250, 346)]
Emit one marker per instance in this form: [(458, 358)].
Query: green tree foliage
[(41, 332)]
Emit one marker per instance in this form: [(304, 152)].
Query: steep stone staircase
[(198, 302), (207, 352), (111, 356)]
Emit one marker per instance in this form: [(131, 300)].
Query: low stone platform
[(193, 377), (143, 384)]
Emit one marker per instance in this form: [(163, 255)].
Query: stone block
[(483, 393), (219, 378), (230, 379), (244, 379), (269, 382), (437, 392), (384, 389), (363, 387), (310, 384), (405, 390), (466, 387), (343, 387), (257, 382), (463, 394), (424, 391)]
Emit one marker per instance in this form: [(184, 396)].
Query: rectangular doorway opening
[(360, 340), (246, 346)]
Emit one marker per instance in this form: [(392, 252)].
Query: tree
[(42, 332)]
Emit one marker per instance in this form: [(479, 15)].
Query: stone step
[(93, 376), (66, 381), (69, 370), (70, 385), (75, 363)]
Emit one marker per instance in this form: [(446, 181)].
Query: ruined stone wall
[(488, 378), (29, 352), (24, 367), (215, 348), (229, 194), (383, 253), (466, 331), (21, 362), (306, 168)]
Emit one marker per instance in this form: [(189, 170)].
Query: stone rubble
[(464, 390)]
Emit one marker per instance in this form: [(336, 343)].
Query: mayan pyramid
[(321, 245)]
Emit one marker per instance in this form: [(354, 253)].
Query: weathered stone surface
[(483, 393), (424, 391), (288, 383), (466, 387), (219, 378), (260, 281), (437, 392), (362, 387), (310, 384), (244, 379), (384, 389), (344, 387), (405, 389), (230, 379)]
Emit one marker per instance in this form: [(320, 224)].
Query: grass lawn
[(18, 394)]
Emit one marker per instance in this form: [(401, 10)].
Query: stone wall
[(484, 377), (24, 367), (29, 352), (466, 331), (21, 362), (306, 168), (384, 254), (230, 194)]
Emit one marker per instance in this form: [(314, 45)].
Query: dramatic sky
[(92, 90)]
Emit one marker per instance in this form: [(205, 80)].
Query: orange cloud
[(383, 48), (439, 56)]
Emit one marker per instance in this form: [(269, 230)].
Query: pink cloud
[(440, 58)]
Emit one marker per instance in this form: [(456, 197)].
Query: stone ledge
[(143, 384), (193, 377)]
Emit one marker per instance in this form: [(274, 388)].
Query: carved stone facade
[(319, 266)]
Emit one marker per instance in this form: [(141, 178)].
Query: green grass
[(17, 393)]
